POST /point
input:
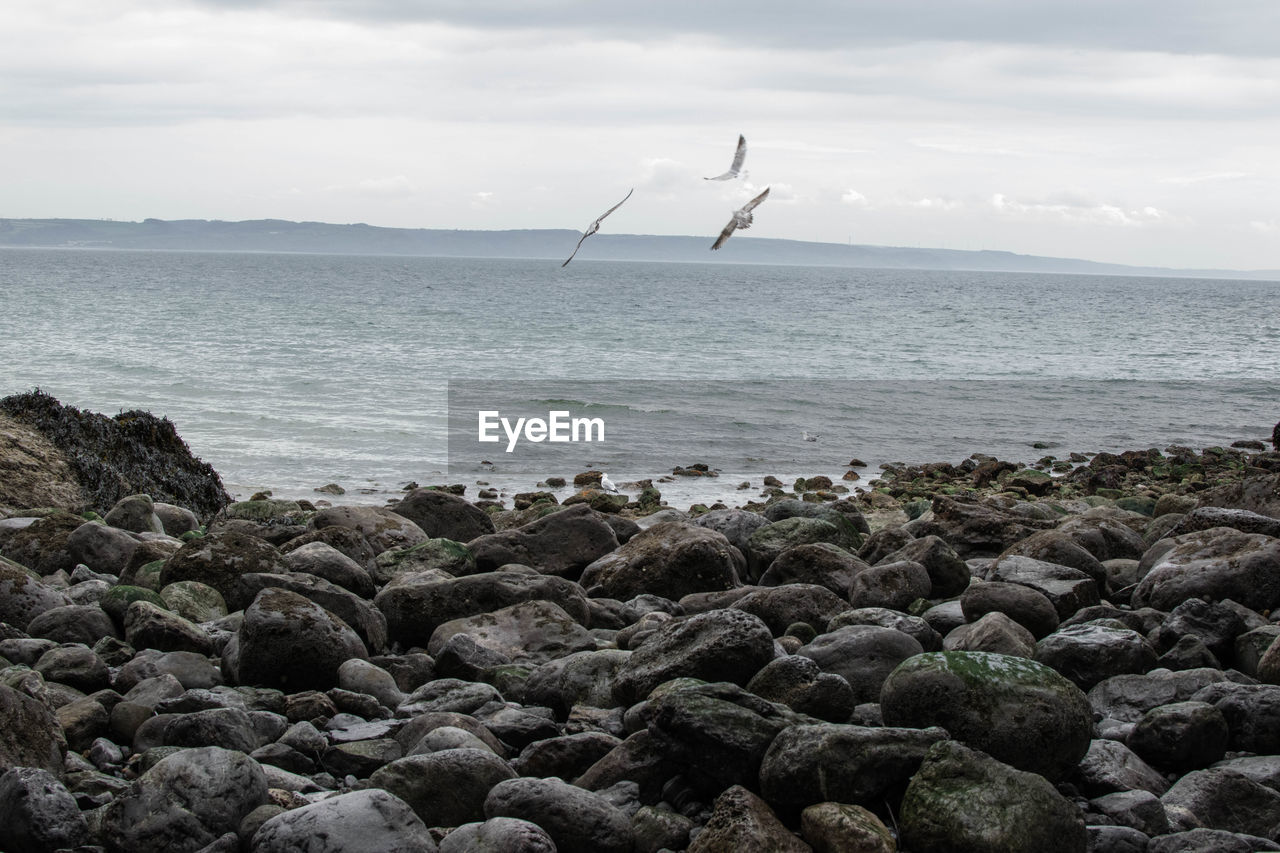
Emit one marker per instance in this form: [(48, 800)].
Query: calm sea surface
[(291, 371)]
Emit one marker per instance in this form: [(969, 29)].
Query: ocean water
[(287, 372)]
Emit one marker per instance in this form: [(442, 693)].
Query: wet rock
[(194, 601), (1058, 547), (75, 665), (23, 597), (147, 626), (721, 645), (1181, 736), (800, 684), (736, 525), (657, 828), (817, 563), (218, 559), (964, 800), (1215, 624), (1068, 589), (1208, 517), (382, 528), (810, 764), (771, 540), (496, 835), (994, 632), (365, 619), (416, 605), (184, 802), (562, 543), (566, 756), (780, 607), (37, 813), (581, 678), (325, 561), (73, 623), (1016, 710), (578, 821), (442, 515), (863, 655), (434, 555), (948, 574), (1025, 605), (1227, 800), (740, 821), (671, 560), (1209, 841), (367, 821), (286, 639), (1215, 564), (891, 585), (445, 788), (1110, 766), (532, 632), (912, 626), (135, 513), (974, 529), (1089, 653), (101, 548), (1141, 810)]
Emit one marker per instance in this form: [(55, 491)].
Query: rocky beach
[(1075, 655)]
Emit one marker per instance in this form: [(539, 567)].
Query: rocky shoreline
[(1076, 655)]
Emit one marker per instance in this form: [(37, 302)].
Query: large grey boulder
[(1068, 589), (671, 560), (444, 788), (37, 813), (582, 678), (325, 561), (562, 543), (23, 597), (290, 642), (741, 821), (381, 527), (1016, 710), (948, 573), (809, 764), (532, 632), (415, 605), (367, 821), (781, 607), (816, 563), (719, 645), (442, 515), (578, 821), (218, 559), (1226, 799), (184, 802), (1217, 563), (361, 616), (498, 835), (964, 801), (1090, 652), (862, 655)]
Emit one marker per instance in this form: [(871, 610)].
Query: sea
[(289, 372)]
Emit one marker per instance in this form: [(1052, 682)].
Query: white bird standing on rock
[(606, 485), (736, 168), (595, 226), (808, 437), (742, 218)]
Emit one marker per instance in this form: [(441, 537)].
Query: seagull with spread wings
[(595, 226), (736, 168), (741, 219)]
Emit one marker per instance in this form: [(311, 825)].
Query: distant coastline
[(275, 235)]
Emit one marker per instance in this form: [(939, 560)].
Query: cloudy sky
[(1134, 131)]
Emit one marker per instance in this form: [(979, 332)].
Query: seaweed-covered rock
[(218, 559), (1014, 709), (964, 801), (131, 453)]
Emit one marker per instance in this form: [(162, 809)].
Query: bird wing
[(595, 226), (739, 156), (724, 235), (751, 205)]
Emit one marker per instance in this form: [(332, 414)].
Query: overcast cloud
[(1143, 131)]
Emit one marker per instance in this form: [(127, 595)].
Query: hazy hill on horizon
[(276, 235)]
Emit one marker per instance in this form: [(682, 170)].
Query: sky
[(1130, 131)]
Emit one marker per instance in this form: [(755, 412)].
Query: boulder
[(781, 607), (184, 802), (1068, 589), (442, 515), (218, 559), (147, 626), (367, 821), (37, 813), (1025, 605), (993, 632), (416, 605), (362, 617), (1216, 564), (497, 835), (102, 548), (948, 574), (810, 764), (964, 801), (800, 684), (1181, 736), (1016, 710), (720, 645), (1226, 799), (1090, 652), (325, 561), (446, 788), (578, 821), (73, 623), (1110, 766), (382, 528), (581, 678), (843, 828), (562, 543), (771, 540), (863, 655), (290, 642), (23, 597), (532, 632), (135, 513), (741, 822), (815, 563), (671, 560), (974, 529)]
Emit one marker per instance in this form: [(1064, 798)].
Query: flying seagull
[(741, 219), (736, 168), (595, 226), (606, 485)]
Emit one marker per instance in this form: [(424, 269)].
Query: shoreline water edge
[(1076, 654)]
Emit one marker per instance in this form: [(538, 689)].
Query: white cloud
[(1071, 209), (852, 196)]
